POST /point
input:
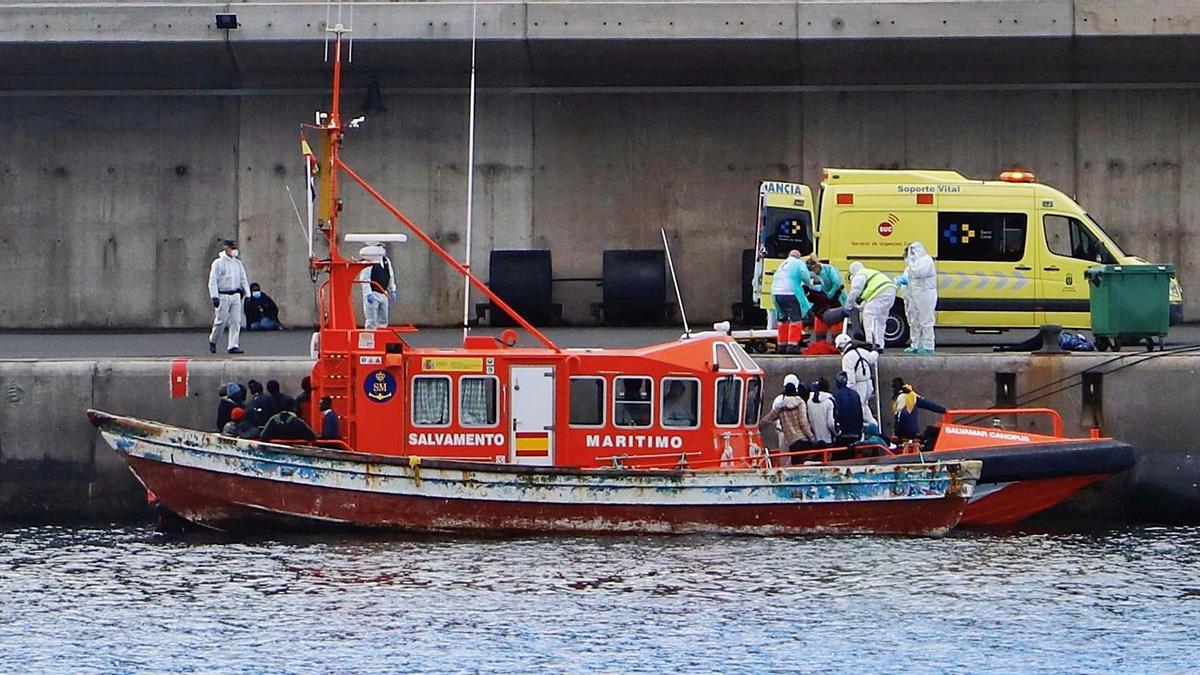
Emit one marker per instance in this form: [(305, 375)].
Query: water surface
[(129, 599)]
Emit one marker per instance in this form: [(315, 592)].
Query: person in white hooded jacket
[(858, 364), (228, 286), (920, 301), (871, 292)]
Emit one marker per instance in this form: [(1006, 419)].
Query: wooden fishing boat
[(492, 436), (226, 483)]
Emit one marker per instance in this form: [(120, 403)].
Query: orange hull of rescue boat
[(1010, 503)]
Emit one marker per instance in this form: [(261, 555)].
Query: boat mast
[(470, 177), (336, 312)]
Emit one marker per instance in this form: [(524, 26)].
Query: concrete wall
[(54, 466), (141, 135)]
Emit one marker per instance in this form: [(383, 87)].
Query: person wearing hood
[(906, 407), (228, 285), (820, 413), (874, 438), (920, 299), (791, 304), (847, 413), (379, 286), (858, 364), (261, 311), (871, 292), (792, 412), (232, 396)]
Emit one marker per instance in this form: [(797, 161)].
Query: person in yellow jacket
[(872, 292)]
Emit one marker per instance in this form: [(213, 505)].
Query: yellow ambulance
[(1011, 253)]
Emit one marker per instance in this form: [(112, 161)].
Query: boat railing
[(618, 461), (1055, 417)]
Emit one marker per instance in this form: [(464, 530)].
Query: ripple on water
[(98, 600)]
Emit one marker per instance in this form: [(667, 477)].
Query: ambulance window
[(680, 402), (784, 230), (633, 401), (477, 401), (431, 400), (723, 358), (729, 401), (998, 237), (753, 400), (1068, 237), (587, 401)]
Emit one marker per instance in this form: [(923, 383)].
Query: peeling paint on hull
[(228, 483)]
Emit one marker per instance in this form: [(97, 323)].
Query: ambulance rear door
[(785, 223)]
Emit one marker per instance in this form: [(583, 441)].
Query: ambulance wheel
[(895, 332)]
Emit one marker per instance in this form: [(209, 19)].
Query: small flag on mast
[(311, 168)]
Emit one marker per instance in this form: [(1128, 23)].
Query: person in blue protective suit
[(791, 303), (906, 406), (920, 299)]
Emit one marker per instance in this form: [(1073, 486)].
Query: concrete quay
[(55, 467)]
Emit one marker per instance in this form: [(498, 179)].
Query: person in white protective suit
[(228, 285), (920, 298), (378, 286), (858, 363), (872, 292)]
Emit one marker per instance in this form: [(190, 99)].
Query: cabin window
[(477, 401), (723, 358), (431, 401), (633, 401), (743, 358), (982, 237), (729, 401), (753, 400), (587, 401), (680, 403)]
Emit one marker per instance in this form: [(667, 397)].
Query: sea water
[(130, 599)]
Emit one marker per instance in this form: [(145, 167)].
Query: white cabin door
[(532, 415)]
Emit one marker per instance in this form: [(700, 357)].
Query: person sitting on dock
[(329, 420), (286, 426), (261, 311), (791, 410), (906, 406)]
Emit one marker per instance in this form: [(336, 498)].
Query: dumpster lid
[(1132, 269)]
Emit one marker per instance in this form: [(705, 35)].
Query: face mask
[(257, 294), (235, 253)]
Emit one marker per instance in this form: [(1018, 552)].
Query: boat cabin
[(692, 402)]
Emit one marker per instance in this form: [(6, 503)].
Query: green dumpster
[(1130, 304)]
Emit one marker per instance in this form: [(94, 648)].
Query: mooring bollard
[(1050, 344)]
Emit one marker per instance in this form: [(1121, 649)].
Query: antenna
[(470, 177), (675, 280), (299, 220)]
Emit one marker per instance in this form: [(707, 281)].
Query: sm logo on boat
[(380, 386)]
